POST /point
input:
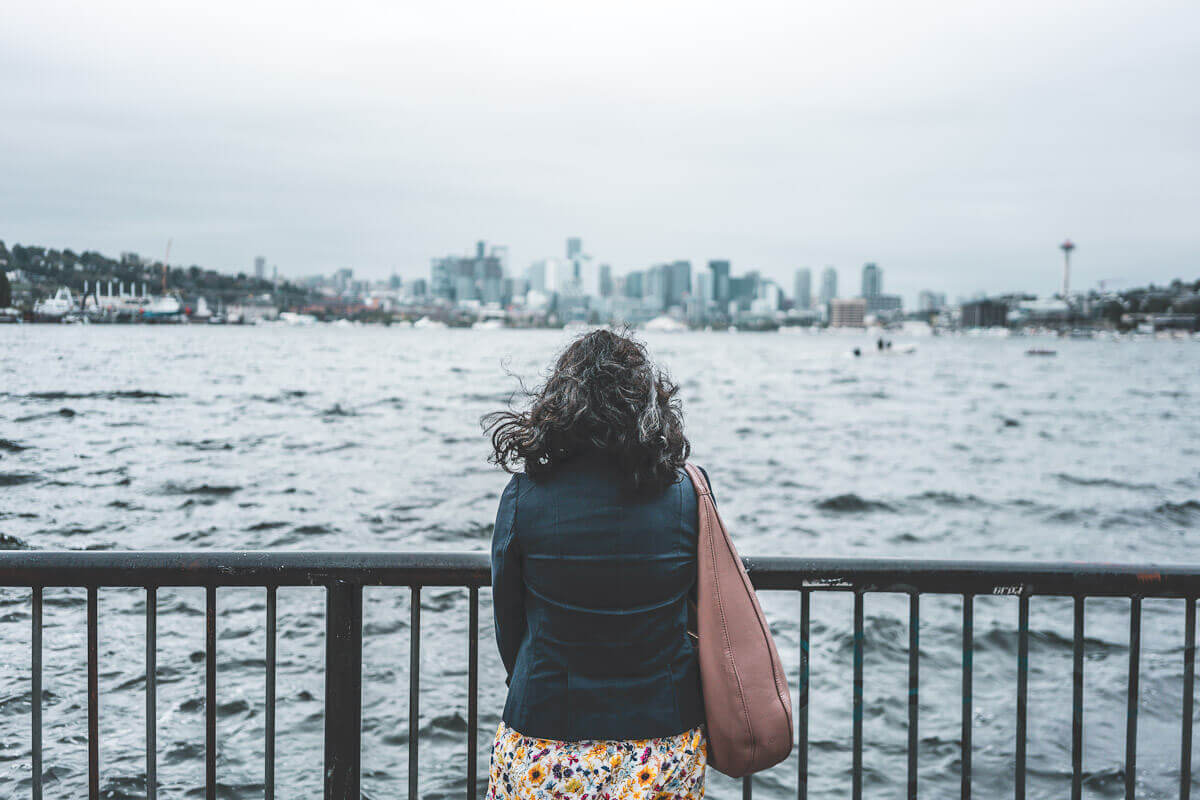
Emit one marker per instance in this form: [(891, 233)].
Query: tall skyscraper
[(679, 282), (720, 288), (574, 247), (803, 295), (260, 267), (828, 285), (872, 280), (606, 281), (929, 300)]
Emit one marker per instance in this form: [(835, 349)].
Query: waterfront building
[(885, 304), (634, 285), (929, 301), (829, 287), (574, 247), (847, 312), (743, 291), (984, 314), (803, 288), (470, 279), (260, 267), (768, 298)]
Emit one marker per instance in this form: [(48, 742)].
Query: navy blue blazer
[(590, 595)]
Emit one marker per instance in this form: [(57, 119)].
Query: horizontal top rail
[(400, 568)]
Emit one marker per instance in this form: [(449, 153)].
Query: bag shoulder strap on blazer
[(747, 704)]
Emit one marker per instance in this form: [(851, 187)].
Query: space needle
[(1067, 246)]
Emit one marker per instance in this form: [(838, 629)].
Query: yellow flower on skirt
[(670, 768)]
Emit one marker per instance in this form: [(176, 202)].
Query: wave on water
[(10, 542), (9, 446), (62, 412), (120, 394), (949, 499), (852, 503), (1105, 483), (1182, 513), (16, 478), (203, 489), (336, 410)]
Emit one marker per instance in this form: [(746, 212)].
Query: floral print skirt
[(524, 768)]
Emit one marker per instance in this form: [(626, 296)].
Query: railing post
[(343, 690)]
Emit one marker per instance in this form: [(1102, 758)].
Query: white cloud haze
[(953, 143)]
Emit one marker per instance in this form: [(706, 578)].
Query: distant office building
[(984, 314), (704, 291), (479, 278), (768, 298), (606, 281), (343, 278), (884, 304), (656, 288), (743, 291), (803, 288), (928, 301), (417, 289), (847, 312), (536, 275), (679, 282), (720, 278), (872, 280), (635, 284), (260, 267), (574, 247), (829, 289)]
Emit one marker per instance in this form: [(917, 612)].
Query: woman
[(593, 561)]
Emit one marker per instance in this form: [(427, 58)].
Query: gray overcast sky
[(955, 143)]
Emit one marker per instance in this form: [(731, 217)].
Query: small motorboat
[(1039, 351)]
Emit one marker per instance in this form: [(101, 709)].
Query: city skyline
[(956, 154)]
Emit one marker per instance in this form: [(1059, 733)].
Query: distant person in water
[(593, 562)]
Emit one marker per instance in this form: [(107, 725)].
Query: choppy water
[(326, 438)]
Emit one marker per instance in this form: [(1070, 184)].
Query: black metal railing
[(345, 574)]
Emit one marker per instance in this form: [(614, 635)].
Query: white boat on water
[(296, 319), (426, 322), (53, 309), (665, 324), (202, 313), (488, 325), (164, 308)]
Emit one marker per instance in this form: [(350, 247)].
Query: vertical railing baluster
[(472, 692), (414, 690), (151, 693), (914, 684), (269, 733), (1022, 693), (36, 700), (802, 721), (343, 690), (856, 776), (1189, 679), (747, 789), (1077, 703), (968, 672), (210, 694), (1131, 696), (93, 655)]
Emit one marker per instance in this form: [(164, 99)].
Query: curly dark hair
[(605, 397)]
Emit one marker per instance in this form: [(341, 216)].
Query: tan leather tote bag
[(747, 704)]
